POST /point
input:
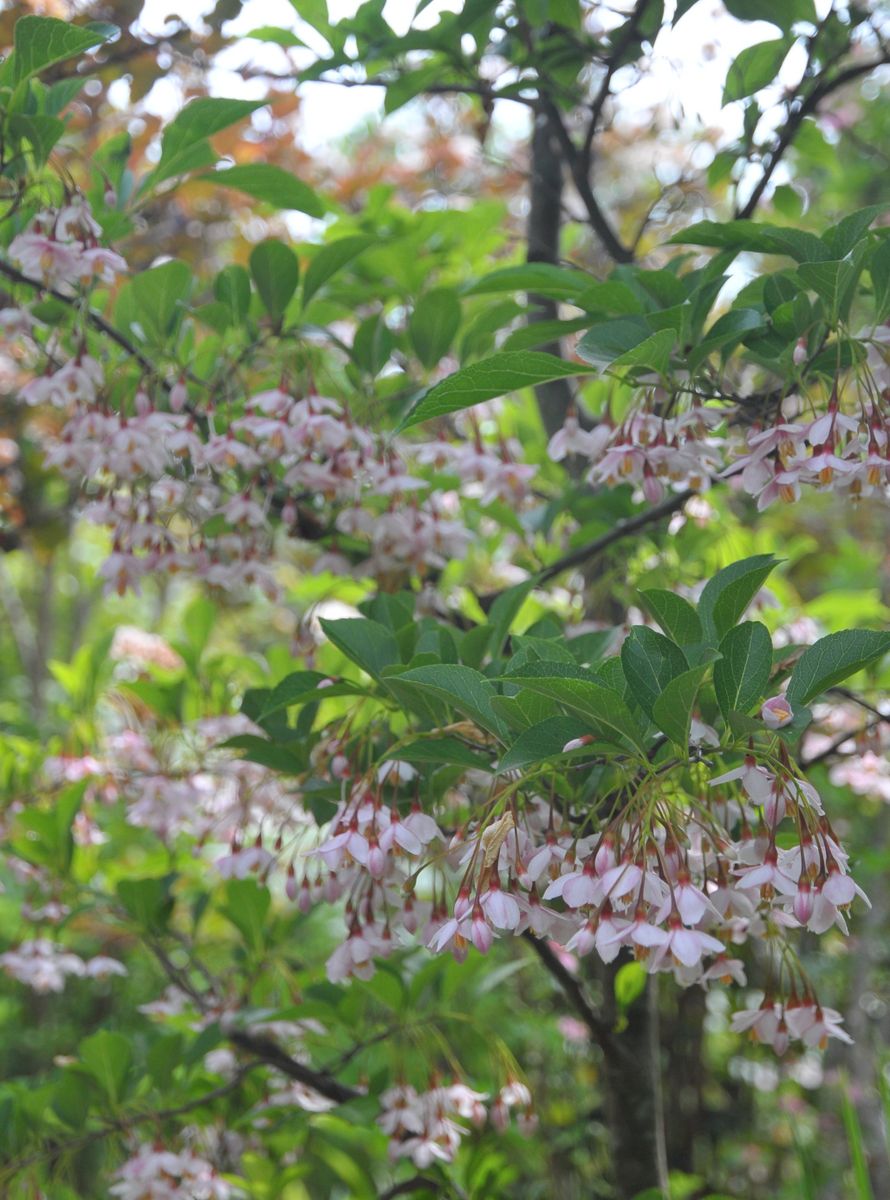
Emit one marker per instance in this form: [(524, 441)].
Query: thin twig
[(836, 744), (796, 118), (123, 1124), (95, 319), (621, 529)]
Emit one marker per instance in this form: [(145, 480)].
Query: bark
[(629, 1096), (544, 221)]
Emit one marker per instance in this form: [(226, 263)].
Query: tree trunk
[(544, 221)]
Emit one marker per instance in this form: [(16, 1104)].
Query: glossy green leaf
[(276, 272), (726, 596), (367, 643), (542, 741), (271, 184), (650, 661), (673, 709), (461, 688), (742, 673), (610, 717), (833, 659), (675, 615), (754, 67), (41, 41), (495, 376), (433, 324), (330, 259)]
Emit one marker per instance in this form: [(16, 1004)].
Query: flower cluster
[(836, 450), (676, 883), (429, 1126), (654, 453), (61, 248), (157, 1173), (44, 966), (189, 481)]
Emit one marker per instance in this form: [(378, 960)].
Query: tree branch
[(835, 745), (95, 319), (805, 108), (600, 1030), (579, 169), (614, 61), (271, 1053), (621, 529)]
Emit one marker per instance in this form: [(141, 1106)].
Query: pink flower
[(776, 713)]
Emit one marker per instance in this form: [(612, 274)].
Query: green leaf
[(41, 41), (302, 686), (276, 272), (160, 295), (330, 259), (201, 119), (433, 324), (367, 643), (444, 750), (259, 750), (630, 983), (650, 662), (232, 288), (672, 711), (107, 1056), (41, 132), (247, 904), (504, 612), (784, 13), (755, 67), (271, 184), (847, 233), (610, 340), (652, 354), (148, 901), (833, 659), (835, 281), (755, 236), (726, 332), (879, 269), (610, 717), (742, 673), (542, 741), (505, 372), (164, 1055), (728, 594), (676, 616), (542, 279), (462, 688)]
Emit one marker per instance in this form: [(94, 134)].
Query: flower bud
[(776, 713)]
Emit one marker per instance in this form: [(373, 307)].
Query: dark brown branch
[(622, 529), (580, 177), (95, 319), (263, 1048), (805, 108), (600, 1031), (271, 1053), (839, 741), (614, 62)]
